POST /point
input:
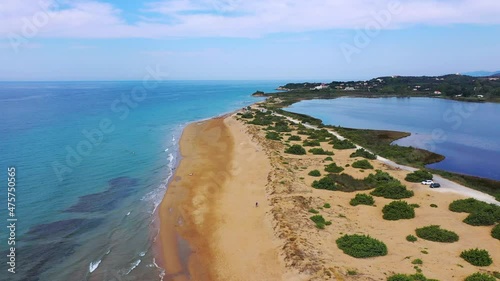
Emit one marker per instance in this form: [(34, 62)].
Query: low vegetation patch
[(273, 136), (347, 183), (437, 234), (328, 159), (392, 190), (311, 143), (333, 168), (361, 246), (411, 238), (314, 173), (320, 221), (294, 138), (418, 176), (413, 277), (480, 277), (481, 213), (434, 205), (296, 149), (342, 144), (398, 210), (361, 152), (327, 206), (362, 199), (314, 211), (320, 151), (495, 232), (325, 183), (477, 257), (417, 261), (362, 164)]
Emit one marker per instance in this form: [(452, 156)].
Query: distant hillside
[(482, 73), (453, 85)]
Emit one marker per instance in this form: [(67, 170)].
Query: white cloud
[(229, 18)]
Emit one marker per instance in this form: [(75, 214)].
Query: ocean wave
[(94, 265), (132, 266)]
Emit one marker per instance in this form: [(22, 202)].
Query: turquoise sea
[(466, 133), (92, 161)]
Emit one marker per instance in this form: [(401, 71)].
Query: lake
[(468, 134)]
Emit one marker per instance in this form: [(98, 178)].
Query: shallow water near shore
[(467, 134), (92, 168)]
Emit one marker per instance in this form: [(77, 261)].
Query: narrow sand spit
[(228, 166)]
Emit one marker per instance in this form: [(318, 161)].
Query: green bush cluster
[(328, 159), (379, 178), (342, 144), (273, 136), (347, 183), (280, 126), (333, 168), (320, 151), (398, 210), (362, 164), (411, 238), (477, 257), (320, 135), (325, 183), (437, 234), (314, 211), (311, 143), (362, 199), (320, 221), (480, 213), (392, 190), (294, 138), (495, 232), (361, 152), (361, 246), (418, 176), (480, 277), (247, 115), (296, 149), (314, 173)]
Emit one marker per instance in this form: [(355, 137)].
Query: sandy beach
[(228, 166)]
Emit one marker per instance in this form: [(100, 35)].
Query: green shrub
[(480, 218), (362, 164), (320, 151), (411, 238), (324, 183), (398, 210), (361, 246), (247, 115), (314, 173), (294, 138), (273, 136), (418, 176), (327, 205), (328, 159), (434, 205), (314, 211), (342, 144), (392, 190), (495, 232), (413, 277), (345, 182), (477, 257), (320, 221), (379, 178), (497, 197), (417, 261), (333, 168), (415, 205), (468, 205), (361, 152), (311, 143), (296, 149), (437, 234), (480, 277), (362, 199)]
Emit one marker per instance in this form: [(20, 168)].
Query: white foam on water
[(128, 214), (142, 254), (133, 266), (94, 265)]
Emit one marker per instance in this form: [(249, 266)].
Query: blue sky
[(235, 39)]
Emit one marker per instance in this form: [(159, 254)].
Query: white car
[(427, 182)]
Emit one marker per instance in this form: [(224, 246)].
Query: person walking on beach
[(256, 204)]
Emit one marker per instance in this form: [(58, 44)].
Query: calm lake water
[(468, 134)]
